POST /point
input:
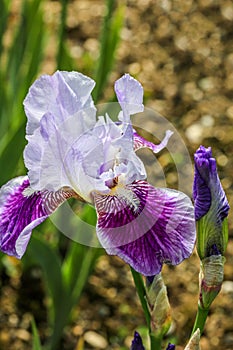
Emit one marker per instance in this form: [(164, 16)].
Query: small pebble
[(96, 340)]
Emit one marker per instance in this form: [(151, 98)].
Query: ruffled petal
[(140, 142), (62, 94), (21, 210), (59, 160), (59, 110), (146, 226), (130, 95)]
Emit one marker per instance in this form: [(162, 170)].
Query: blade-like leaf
[(4, 13), (36, 344), (47, 258), (109, 39), (11, 154)]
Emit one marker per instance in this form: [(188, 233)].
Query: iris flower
[(211, 205), (70, 153)]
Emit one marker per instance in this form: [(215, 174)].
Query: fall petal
[(21, 211), (146, 226)]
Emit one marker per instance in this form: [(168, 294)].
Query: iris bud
[(158, 304), (210, 204), (137, 342), (194, 342)]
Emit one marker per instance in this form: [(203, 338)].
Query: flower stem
[(155, 342), (200, 319), (139, 284)]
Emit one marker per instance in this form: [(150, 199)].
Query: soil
[(182, 53)]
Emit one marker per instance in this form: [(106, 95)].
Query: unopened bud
[(194, 342), (159, 306), (137, 342), (211, 278), (211, 205)]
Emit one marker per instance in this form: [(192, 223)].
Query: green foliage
[(109, 39), (20, 63), (36, 345), (65, 279)]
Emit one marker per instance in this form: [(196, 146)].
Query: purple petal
[(137, 342), (21, 211), (130, 95), (140, 142), (170, 347), (208, 193), (146, 226)]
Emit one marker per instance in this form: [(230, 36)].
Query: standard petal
[(140, 142), (21, 211), (130, 95), (146, 226), (62, 94), (59, 110)]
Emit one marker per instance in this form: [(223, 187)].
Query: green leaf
[(47, 258), (109, 39), (139, 284), (36, 344), (16, 74), (225, 233), (24, 40), (88, 262), (4, 13), (10, 156), (64, 60)]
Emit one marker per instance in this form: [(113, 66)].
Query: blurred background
[(63, 295)]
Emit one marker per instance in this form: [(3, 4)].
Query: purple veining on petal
[(21, 212), (140, 142), (146, 226), (130, 95), (207, 189), (137, 342)]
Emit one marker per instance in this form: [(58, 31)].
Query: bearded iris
[(70, 153)]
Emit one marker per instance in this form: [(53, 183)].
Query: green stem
[(155, 342), (200, 319), (139, 284)]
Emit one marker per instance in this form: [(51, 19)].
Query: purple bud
[(210, 205), (150, 279), (207, 187), (137, 342), (170, 347)]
